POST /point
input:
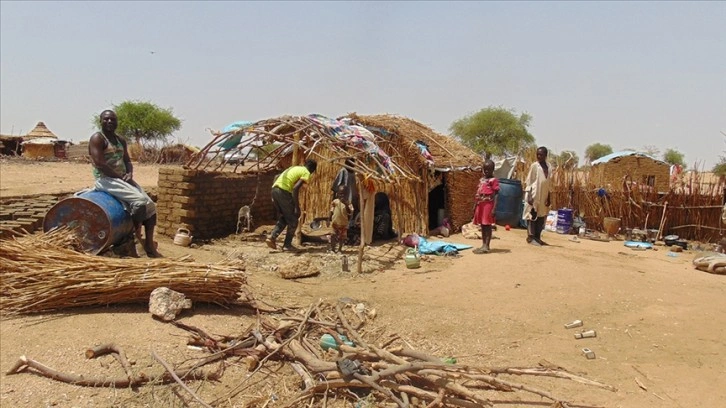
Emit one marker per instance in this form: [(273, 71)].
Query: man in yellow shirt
[(285, 196)]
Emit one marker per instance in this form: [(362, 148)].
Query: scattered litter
[(573, 324), (586, 334)]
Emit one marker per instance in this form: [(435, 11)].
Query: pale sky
[(627, 74)]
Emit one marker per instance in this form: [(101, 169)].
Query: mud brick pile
[(24, 213), (207, 203)]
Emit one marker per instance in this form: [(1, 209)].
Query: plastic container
[(182, 237), (509, 202), (99, 219), (412, 258), (564, 220), (328, 342)]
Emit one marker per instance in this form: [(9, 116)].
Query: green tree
[(567, 160), (720, 168), (672, 156), (143, 121), (650, 150), (495, 130), (596, 151)]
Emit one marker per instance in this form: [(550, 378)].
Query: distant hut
[(42, 143), (10, 145), (641, 171)]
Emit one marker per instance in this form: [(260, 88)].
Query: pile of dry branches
[(389, 373), (42, 273)]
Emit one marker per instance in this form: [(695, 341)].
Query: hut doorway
[(437, 202)]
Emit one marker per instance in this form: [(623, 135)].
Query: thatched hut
[(636, 170), (448, 173), (426, 176), (42, 143)]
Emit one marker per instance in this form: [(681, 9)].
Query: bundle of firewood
[(334, 360), (43, 272)]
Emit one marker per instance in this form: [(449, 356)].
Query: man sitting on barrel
[(114, 174)]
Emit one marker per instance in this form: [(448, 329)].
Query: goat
[(244, 215)]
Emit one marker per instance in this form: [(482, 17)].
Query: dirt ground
[(659, 321)]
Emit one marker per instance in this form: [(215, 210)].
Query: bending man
[(286, 198), (114, 174)]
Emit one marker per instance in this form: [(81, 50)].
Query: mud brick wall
[(207, 203), (18, 214)]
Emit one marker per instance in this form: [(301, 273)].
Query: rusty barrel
[(99, 219)]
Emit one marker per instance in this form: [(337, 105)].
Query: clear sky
[(627, 74)]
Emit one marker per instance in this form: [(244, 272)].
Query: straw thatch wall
[(459, 164), (39, 150), (408, 212), (690, 216), (644, 172)]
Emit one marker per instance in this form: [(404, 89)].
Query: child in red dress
[(486, 202)]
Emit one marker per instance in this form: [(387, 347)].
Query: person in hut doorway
[(114, 174), (485, 205), (340, 211), (537, 197), (286, 199), (346, 179)]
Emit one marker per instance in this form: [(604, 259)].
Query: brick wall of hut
[(207, 203), (611, 174), (460, 190)]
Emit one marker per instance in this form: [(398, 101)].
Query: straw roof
[(40, 131), (448, 153), (314, 136)]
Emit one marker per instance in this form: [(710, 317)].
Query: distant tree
[(567, 160), (720, 168), (143, 121), (596, 151), (650, 150), (495, 130), (672, 156)]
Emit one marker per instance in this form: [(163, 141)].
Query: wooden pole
[(361, 248), (295, 149)]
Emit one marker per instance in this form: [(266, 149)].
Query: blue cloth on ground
[(439, 247)]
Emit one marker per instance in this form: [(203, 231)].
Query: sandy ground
[(659, 321)]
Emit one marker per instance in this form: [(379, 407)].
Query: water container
[(412, 258), (98, 217), (564, 220), (509, 203)]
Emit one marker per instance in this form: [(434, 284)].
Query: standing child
[(340, 211), (486, 202)]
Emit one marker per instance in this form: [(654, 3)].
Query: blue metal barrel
[(509, 202), (98, 217)]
